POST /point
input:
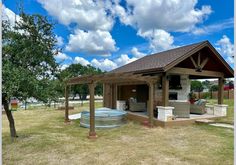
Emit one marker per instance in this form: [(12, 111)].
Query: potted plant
[(192, 97)]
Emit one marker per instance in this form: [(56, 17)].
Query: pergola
[(112, 78)]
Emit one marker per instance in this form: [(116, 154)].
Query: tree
[(28, 57), (207, 84), (196, 86), (214, 88)]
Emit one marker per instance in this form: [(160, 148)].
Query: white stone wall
[(182, 93)]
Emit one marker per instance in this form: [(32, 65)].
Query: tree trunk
[(82, 103), (25, 104), (49, 104), (81, 99), (10, 119)]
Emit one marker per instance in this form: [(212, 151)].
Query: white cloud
[(225, 24), (230, 60), (159, 39), (104, 64), (94, 20), (59, 40), (81, 61), (91, 20), (136, 53), (155, 19), (87, 14), (121, 13), (8, 15), (172, 15), (93, 42), (107, 65), (226, 48), (124, 59), (63, 66), (62, 56)]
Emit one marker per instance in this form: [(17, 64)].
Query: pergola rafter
[(122, 77)]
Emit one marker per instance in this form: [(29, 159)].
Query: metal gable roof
[(163, 61)]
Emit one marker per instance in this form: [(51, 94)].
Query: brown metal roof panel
[(156, 61)]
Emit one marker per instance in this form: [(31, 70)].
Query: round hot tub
[(104, 118)]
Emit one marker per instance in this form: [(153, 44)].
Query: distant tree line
[(198, 86)]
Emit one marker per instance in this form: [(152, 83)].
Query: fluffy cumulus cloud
[(62, 56), (93, 20), (155, 19), (159, 39), (226, 48), (91, 42), (107, 65), (124, 59), (136, 53), (104, 64), (171, 15), (60, 41), (81, 61), (87, 14), (10, 16)]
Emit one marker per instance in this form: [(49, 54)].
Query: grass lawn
[(45, 139)]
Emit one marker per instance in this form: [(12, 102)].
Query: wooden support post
[(67, 104), (150, 107), (109, 96), (104, 91), (220, 90), (114, 96), (92, 133), (165, 90), (106, 95), (228, 94)]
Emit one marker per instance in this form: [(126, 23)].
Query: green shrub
[(206, 95)]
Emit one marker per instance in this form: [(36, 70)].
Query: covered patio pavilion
[(196, 61)]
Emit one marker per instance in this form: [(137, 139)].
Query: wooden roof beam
[(204, 62), (194, 63), (206, 73)]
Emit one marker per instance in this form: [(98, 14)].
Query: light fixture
[(133, 90)]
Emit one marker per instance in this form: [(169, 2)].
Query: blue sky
[(109, 34)]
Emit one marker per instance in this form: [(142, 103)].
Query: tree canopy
[(196, 86), (28, 57)]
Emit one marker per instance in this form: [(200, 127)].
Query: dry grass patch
[(45, 139)]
